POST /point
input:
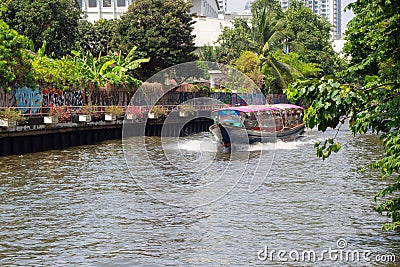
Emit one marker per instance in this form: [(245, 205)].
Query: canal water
[(82, 206)]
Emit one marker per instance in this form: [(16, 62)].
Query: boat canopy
[(286, 106), (250, 108)]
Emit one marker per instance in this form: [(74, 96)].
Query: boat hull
[(227, 135)]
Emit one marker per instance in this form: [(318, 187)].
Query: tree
[(233, 41), (210, 53), (2, 7), (96, 37), (15, 65), (62, 73), (371, 105), (293, 59), (161, 29), (266, 36), (270, 34), (53, 21), (310, 36), (267, 27), (258, 5), (373, 36), (249, 63)]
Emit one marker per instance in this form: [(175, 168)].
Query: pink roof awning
[(285, 106), (252, 108)]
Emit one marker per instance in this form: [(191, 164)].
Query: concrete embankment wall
[(30, 139)]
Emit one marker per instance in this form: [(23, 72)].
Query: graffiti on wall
[(6, 99), (109, 97), (59, 97), (31, 100), (27, 99)]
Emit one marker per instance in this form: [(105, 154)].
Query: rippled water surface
[(81, 206)]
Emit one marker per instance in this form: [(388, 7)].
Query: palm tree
[(269, 34), (268, 29)]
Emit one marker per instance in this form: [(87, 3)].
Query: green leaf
[(317, 144), (336, 147)]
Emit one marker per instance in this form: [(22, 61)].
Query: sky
[(238, 6)]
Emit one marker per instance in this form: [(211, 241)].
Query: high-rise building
[(330, 9)]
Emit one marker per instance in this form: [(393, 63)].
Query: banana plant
[(93, 68), (113, 68), (121, 73)]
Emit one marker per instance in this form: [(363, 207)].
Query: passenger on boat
[(242, 118), (250, 121), (278, 121)]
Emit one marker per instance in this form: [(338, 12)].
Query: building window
[(120, 2), (92, 3), (106, 3), (80, 3)]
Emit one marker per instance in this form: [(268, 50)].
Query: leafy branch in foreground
[(375, 108), (328, 103)]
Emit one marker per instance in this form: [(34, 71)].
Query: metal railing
[(43, 111)]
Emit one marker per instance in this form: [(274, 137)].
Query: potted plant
[(87, 112), (185, 110), (157, 111), (113, 112), (56, 114), (133, 113), (9, 117)]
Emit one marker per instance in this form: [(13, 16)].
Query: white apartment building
[(103, 9), (113, 9), (207, 30), (223, 5), (205, 8)]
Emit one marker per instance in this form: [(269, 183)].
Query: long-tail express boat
[(257, 123)]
